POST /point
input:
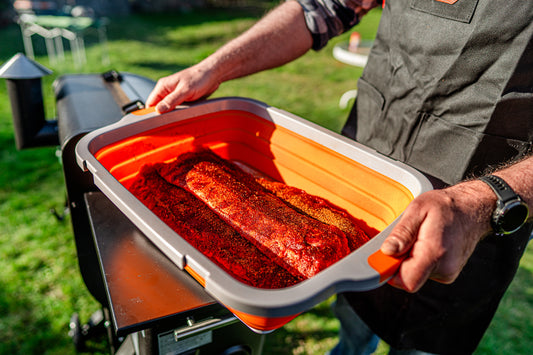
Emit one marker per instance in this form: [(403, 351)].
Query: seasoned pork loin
[(294, 240), (207, 232)]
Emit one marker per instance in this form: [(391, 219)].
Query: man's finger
[(403, 235), (157, 94), (415, 269), (170, 101)]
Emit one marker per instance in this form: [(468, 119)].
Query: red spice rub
[(205, 231), (318, 208), (299, 243)]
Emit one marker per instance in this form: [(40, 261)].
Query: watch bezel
[(501, 213)]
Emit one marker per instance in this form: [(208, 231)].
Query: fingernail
[(162, 107), (390, 247)]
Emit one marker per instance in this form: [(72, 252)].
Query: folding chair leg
[(28, 45), (59, 48), (102, 36), (50, 48)]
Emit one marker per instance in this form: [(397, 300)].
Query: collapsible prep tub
[(373, 188)]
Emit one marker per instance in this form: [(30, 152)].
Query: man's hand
[(438, 232), (278, 38), (187, 85)]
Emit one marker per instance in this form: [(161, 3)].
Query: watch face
[(513, 216)]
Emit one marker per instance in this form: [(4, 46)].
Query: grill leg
[(97, 326)]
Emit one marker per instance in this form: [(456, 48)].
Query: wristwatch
[(511, 212)]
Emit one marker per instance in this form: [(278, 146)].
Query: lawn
[(40, 286)]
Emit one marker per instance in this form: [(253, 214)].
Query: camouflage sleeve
[(329, 18)]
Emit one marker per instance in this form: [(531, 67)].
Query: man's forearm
[(278, 38), (519, 176)]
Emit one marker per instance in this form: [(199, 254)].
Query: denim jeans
[(355, 338)]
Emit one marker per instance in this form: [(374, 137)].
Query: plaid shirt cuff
[(326, 19)]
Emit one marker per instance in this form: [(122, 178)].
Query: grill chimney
[(23, 80)]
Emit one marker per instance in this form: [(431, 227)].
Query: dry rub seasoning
[(243, 224)]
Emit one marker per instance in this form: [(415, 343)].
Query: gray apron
[(448, 89)]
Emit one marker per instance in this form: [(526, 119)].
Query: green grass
[(40, 285)]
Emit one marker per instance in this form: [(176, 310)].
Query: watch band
[(511, 212), (500, 187)]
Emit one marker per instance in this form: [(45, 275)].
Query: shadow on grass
[(160, 66), (153, 28), (26, 329), (150, 28), (19, 318), (511, 330), (315, 324), (20, 173)]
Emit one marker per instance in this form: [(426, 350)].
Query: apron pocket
[(451, 152), (459, 10), (371, 129)]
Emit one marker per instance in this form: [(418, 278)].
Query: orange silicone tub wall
[(241, 136)]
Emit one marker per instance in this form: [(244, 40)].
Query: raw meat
[(320, 209), (207, 232), (297, 242)]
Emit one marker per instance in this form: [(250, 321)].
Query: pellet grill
[(148, 305)]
